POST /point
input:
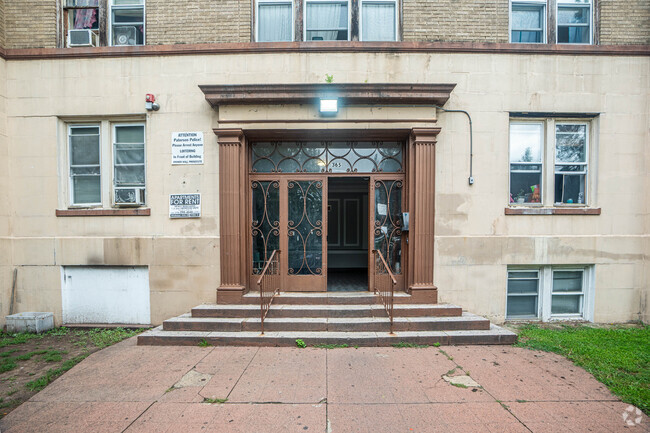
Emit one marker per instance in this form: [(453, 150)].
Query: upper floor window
[(327, 20), (574, 21), (127, 22), (528, 21), (378, 20), (567, 147), (81, 21), (274, 21)]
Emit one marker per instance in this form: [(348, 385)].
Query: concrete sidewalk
[(129, 388)]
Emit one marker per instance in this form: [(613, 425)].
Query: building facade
[(514, 134)]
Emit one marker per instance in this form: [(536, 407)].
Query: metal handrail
[(384, 287), (269, 284)]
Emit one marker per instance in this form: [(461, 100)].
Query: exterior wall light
[(329, 106)]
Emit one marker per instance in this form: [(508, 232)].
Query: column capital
[(425, 135), (229, 136)]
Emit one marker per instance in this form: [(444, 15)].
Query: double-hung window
[(528, 21), (327, 20), (550, 293), (127, 22), (378, 20), (274, 21), (101, 175), (574, 21), (566, 146)]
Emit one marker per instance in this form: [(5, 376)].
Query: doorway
[(347, 234)]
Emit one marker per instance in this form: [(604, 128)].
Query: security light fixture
[(329, 106)]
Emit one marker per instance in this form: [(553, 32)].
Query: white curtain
[(326, 16), (378, 22), (274, 22)]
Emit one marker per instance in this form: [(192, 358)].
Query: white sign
[(187, 148), (185, 206), (381, 209)]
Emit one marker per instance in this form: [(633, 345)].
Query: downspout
[(470, 179)]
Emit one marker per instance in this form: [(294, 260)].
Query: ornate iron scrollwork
[(305, 227), (265, 227), (388, 222)]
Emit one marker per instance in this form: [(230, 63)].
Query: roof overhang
[(348, 93)]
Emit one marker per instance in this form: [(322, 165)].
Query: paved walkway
[(127, 388)]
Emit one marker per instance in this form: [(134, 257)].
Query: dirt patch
[(29, 362)]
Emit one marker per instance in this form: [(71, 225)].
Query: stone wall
[(30, 24), (624, 23)]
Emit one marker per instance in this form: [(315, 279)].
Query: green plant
[(436, 344), (204, 343), (331, 346), (215, 400), (53, 373), (329, 79), (301, 344), (402, 345), (458, 385)]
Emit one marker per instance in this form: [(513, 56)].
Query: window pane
[(522, 286), (522, 306), (129, 134), (566, 304), (525, 187), (526, 36), (573, 35), (86, 189), (81, 3), (570, 189), (573, 15), (570, 143), (125, 16), (327, 21), (378, 22), (522, 274), (128, 26), (76, 171), (84, 149), (129, 175), (567, 281), (127, 2), (526, 142), (527, 18), (84, 19), (274, 22), (129, 156)]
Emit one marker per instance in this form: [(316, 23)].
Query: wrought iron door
[(386, 224)]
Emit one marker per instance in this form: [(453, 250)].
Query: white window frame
[(71, 197), (538, 294), (586, 4), (114, 126), (578, 315), (395, 24), (529, 3), (304, 17), (585, 164), (257, 16), (113, 6), (543, 185), (545, 292)]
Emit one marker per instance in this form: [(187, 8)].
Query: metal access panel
[(105, 294)]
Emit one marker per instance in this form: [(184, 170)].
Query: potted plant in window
[(520, 197)]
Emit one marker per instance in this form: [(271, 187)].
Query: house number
[(337, 164)]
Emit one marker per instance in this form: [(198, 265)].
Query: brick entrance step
[(327, 318)]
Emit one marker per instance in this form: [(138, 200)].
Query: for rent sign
[(184, 205), (187, 148)]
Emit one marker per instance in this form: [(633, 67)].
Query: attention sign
[(187, 148)]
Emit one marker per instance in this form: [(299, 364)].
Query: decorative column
[(421, 205), (232, 213)]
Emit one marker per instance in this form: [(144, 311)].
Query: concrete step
[(326, 298), (346, 324), (325, 310), (160, 337)]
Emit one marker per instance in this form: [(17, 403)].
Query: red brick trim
[(102, 212), (552, 211), (325, 47)]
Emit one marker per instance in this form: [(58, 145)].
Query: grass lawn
[(619, 357), (29, 362)]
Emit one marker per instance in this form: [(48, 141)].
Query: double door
[(289, 213)]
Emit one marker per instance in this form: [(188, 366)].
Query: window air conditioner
[(82, 38), (125, 35), (129, 196)]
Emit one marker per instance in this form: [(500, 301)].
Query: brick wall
[(2, 23), (624, 22), (198, 21), (30, 24), (456, 20)]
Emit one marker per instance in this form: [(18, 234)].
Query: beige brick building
[(553, 224)]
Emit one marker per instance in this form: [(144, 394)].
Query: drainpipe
[(470, 179)]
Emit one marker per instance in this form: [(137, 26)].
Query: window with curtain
[(326, 20), (85, 166), (527, 22), (574, 21), (378, 20), (274, 21), (127, 22)]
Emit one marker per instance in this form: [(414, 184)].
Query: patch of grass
[(12, 392), (204, 343), (450, 372), (7, 364), (59, 331), (436, 344), (53, 373), (53, 355), (331, 346), (403, 345), (451, 358), (458, 385), (301, 344), (215, 400), (8, 353), (12, 339), (619, 357), (106, 337)]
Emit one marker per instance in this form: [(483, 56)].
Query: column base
[(230, 295), (424, 294)]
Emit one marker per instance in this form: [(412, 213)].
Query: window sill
[(552, 211), (103, 212)]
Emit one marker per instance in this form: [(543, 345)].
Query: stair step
[(325, 310), (325, 298), (160, 337), (346, 324)]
